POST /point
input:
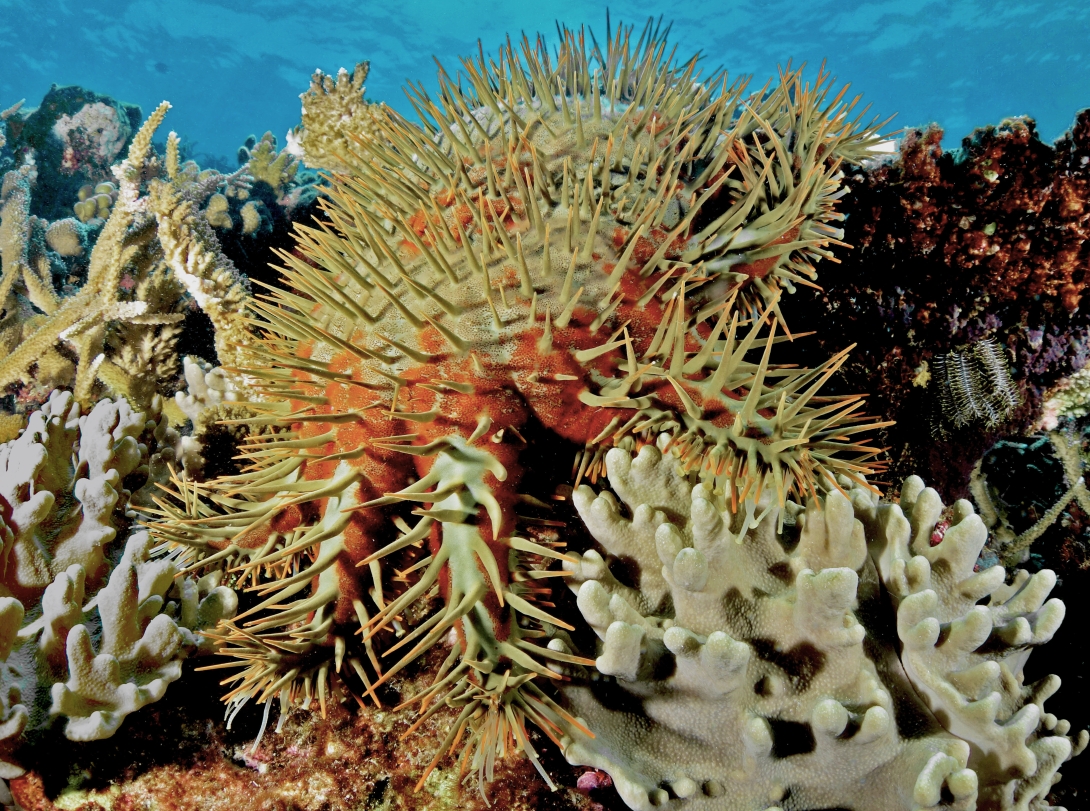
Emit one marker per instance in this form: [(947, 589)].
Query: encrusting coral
[(91, 628), (751, 667), (592, 251), (989, 241)]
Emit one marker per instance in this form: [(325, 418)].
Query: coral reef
[(91, 628), (1070, 398), (99, 302), (526, 443), (184, 759), (986, 242), (751, 666), (74, 136)]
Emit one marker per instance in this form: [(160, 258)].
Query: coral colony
[(525, 360)]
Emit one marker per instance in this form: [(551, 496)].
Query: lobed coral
[(91, 629), (594, 264), (752, 666)]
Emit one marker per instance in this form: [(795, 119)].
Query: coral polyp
[(589, 249)]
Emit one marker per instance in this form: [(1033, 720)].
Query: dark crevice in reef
[(791, 738), (875, 612), (799, 663), (198, 337)]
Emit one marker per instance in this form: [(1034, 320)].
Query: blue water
[(232, 68)]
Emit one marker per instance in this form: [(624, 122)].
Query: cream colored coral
[(140, 650), (206, 388), (217, 213), (266, 164), (748, 667), (79, 636), (65, 237), (333, 110), (251, 217), (5, 115)]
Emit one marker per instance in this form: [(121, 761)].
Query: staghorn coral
[(191, 251), (750, 667), (122, 325), (334, 115), (82, 320), (90, 629), (598, 265), (4, 116)]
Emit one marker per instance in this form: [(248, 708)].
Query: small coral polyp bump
[(590, 249)]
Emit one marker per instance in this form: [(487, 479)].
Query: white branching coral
[(208, 390), (149, 626), (81, 637), (754, 667)]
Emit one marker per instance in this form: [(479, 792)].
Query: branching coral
[(123, 323), (82, 319), (750, 667), (591, 251), (334, 115), (192, 253), (267, 165), (82, 634)]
